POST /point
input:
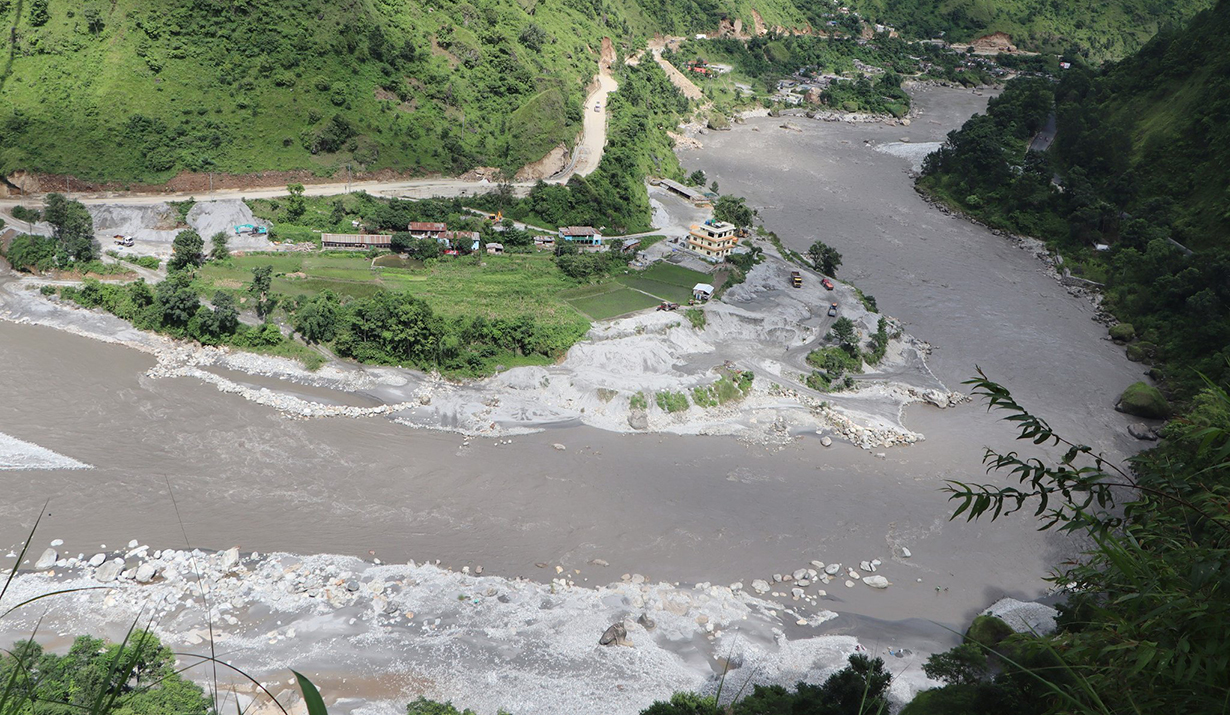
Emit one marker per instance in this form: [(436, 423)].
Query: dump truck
[(796, 279)]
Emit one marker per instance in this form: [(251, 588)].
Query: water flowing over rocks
[(272, 612)]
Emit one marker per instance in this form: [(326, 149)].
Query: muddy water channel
[(673, 508)]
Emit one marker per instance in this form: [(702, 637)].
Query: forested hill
[(1140, 167), (1102, 29), (1153, 131), (140, 90), (137, 90)]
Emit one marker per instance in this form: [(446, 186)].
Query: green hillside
[(138, 91), (1140, 167), (1104, 28)]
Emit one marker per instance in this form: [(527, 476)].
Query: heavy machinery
[(121, 240), (796, 279), (247, 228)]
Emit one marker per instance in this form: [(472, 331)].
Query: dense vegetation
[(613, 197), (1101, 29), (138, 677), (1140, 164), (138, 91)]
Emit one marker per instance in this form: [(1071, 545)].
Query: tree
[(296, 205), (187, 250), (733, 209), (964, 665), (316, 320), (219, 251), (401, 241), (73, 227), (857, 689), (338, 213), (177, 300), (533, 36), (697, 178), (260, 290), (824, 258), (226, 313)]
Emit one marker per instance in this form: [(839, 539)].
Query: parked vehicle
[(668, 306), (828, 284), (832, 310), (796, 279), (123, 240)]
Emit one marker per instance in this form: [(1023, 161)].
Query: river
[(674, 508)]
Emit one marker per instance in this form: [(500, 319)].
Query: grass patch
[(696, 317), (504, 286), (613, 303)]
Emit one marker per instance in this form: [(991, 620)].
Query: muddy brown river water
[(673, 508)]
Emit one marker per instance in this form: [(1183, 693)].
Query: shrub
[(32, 253), (671, 401), (696, 317), (638, 401), (21, 213), (423, 706)]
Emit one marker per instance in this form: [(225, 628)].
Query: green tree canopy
[(187, 250), (825, 258)]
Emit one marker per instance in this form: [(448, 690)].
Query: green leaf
[(311, 696)]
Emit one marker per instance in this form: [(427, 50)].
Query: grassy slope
[(1162, 115), (1108, 29), (253, 84)]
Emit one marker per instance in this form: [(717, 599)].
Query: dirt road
[(588, 151)]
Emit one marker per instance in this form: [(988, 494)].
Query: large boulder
[(617, 634), (1024, 616), (110, 570), (1143, 400), (1122, 332), (47, 560), (988, 631)]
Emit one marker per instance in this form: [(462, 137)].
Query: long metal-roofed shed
[(686, 192), (355, 240)]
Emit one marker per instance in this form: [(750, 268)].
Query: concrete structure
[(357, 241), (628, 245), (702, 291), (581, 235), (495, 248), (686, 192), (421, 229), (713, 240), (544, 241)]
